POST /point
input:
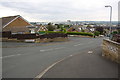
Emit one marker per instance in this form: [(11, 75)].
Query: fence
[(32, 36), (116, 37), (23, 36), (6, 34), (52, 35)]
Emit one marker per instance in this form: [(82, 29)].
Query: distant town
[(18, 25), (98, 23)]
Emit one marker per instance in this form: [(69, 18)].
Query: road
[(29, 62)]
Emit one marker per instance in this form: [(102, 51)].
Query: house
[(15, 24), (32, 29), (90, 28), (39, 27), (42, 28), (74, 28)]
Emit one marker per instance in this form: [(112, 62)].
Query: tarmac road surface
[(29, 62)]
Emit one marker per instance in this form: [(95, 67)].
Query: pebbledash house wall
[(18, 25)]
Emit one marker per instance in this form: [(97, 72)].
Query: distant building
[(68, 20), (74, 28), (42, 28)]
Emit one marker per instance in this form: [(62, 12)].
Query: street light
[(110, 29)]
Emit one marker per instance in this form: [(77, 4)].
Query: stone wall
[(111, 50)]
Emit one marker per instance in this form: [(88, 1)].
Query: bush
[(69, 33), (100, 30), (114, 32), (80, 33), (55, 32), (116, 37), (42, 32), (96, 33), (82, 30), (52, 35), (50, 27), (46, 32), (64, 30)]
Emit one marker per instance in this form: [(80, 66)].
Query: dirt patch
[(36, 40), (51, 40)]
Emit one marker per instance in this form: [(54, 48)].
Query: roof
[(19, 29), (42, 28), (7, 20)]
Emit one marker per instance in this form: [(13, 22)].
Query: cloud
[(60, 10)]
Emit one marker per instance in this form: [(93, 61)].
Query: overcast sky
[(59, 10)]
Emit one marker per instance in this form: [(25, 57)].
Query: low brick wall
[(111, 50)]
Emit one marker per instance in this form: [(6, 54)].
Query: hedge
[(96, 33), (80, 33), (70, 33), (50, 32)]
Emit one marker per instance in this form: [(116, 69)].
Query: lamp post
[(110, 29)]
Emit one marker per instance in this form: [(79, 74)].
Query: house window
[(13, 33), (32, 31), (20, 32)]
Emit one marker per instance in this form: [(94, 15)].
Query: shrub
[(100, 29), (64, 30), (55, 32), (42, 32), (114, 32), (116, 37), (52, 35), (69, 33), (80, 33), (82, 30), (46, 32), (50, 27), (96, 33)]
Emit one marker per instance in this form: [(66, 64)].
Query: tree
[(96, 33), (100, 29), (50, 27), (82, 30), (88, 26), (66, 26), (64, 30), (118, 29)]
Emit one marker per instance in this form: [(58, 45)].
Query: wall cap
[(112, 41)]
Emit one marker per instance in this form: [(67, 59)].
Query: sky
[(60, 10)]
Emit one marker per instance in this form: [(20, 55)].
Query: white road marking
[(42, 50), (51, 49), (90, 52), (77, 44), (8, 56), (46, 50), (11, 56), (18, 54), (48, 68), (59, 48)]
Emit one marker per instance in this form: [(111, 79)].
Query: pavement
[(86, 64), (30, 62)]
